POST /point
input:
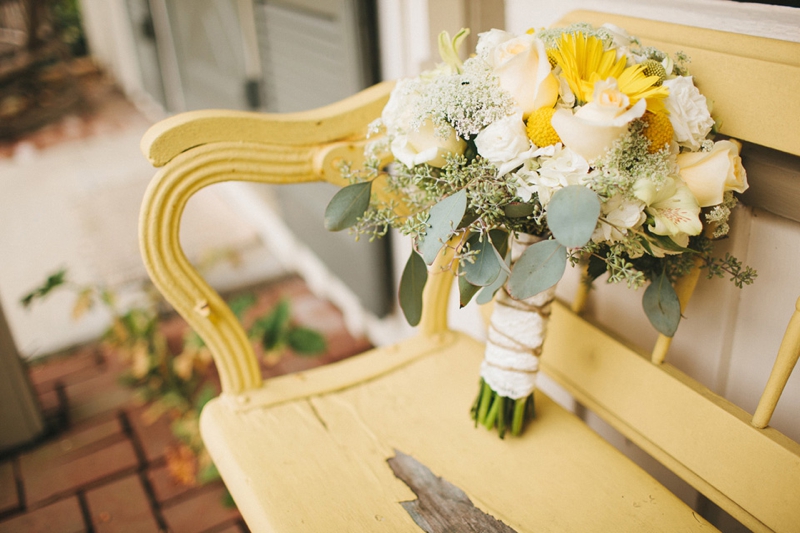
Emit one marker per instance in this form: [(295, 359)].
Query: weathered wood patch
[(440, 507)]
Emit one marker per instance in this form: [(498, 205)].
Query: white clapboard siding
[(309, 51)]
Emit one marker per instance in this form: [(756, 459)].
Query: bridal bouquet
[(573, 144)]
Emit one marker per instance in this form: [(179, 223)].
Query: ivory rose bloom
[(595, 126), (521, 65), (425, 145), (504, 143), (710, 174), (688, 112)]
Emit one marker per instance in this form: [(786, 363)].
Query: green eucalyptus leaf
[(661, 305), (443, 218), (518, 210), (488, 292), (666, 243), (466, 291), (305, 341), (572, 215), (347, 205), (486, 266), (412, 283), (538, 268)]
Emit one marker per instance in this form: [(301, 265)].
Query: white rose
[(595, 126), (504, 143), (710, 174), (688, 112), (621, 38), (488, 40), (425, 145), (521, 65)]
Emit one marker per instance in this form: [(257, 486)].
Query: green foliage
[(53, 281), (572, 215), (739, 274), (305, 341), (661, 305), (444, 218), (177, 384), (347, 206), (277, 332), (487, 293), (482, 268), (537, 269), (466, 291), (412, 284)]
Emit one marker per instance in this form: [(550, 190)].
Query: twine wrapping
[(517, 330)]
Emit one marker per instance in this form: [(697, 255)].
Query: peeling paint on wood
[(440, 507)]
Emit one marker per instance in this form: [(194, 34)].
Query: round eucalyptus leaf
[(572, 215), (486, 265), (443, 219), (537, 269), (412, 283), (661, 305), (347, 205), (487, 293)]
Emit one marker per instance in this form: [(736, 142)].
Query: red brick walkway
[(104, 469)]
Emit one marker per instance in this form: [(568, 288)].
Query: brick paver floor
[(102, 468)]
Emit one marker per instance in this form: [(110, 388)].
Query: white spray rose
[(425, 145), (595, 126), (564, 168), (619, 215), (521, 65), (710, 174), (688, 112), (504, 143)]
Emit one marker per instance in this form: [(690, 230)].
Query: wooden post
[(20, 416)]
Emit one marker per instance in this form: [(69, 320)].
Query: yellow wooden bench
[(308, 452)]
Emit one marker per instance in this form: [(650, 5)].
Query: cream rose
[(504, 143), (595, 126), (688, 112), (521, 65), (425, 145), (710, 174)]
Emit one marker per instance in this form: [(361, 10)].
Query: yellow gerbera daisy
[(583, 62)]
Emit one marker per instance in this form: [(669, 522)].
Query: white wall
[(729, 337)]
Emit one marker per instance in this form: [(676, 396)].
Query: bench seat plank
[(327, 452)]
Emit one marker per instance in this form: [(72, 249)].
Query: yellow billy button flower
[(659, 131), (540, 130), (654, 68)]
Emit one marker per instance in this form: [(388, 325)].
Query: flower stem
[(491, 417)]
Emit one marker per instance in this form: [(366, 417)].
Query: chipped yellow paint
[(307, 452)]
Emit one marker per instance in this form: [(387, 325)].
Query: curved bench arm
[(198, 149)]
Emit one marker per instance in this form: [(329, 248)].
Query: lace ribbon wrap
[(516, 333)]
